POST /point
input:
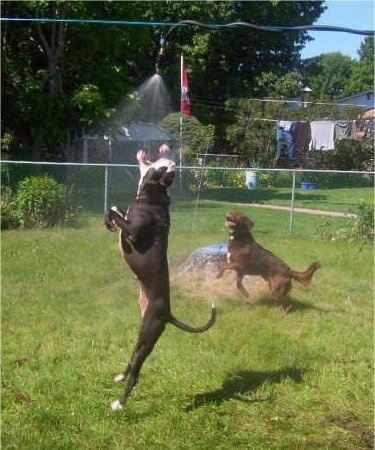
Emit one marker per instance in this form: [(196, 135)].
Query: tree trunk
[(54, 48)]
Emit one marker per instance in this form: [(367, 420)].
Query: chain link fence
[(95, 187)]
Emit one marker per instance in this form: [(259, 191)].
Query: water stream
[(149, 103)]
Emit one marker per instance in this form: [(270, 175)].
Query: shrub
[(236, 179), (40, 202), (363, 227), (9, 217)]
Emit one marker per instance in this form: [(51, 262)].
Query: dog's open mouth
[(230, 224), (230, 220)]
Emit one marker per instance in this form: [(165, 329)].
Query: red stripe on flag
[(185, 102)]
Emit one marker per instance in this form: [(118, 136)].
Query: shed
[(120, 146)]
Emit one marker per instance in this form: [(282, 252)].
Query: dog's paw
[(116, 405), (245, 293), (287, 308), (120, 377), (110, 224)]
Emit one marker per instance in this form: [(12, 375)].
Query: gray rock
[(206, 259)]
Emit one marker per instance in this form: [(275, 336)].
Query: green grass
[(342, 200), (257, 380)]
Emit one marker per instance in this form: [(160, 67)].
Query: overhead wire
[(181, 23)]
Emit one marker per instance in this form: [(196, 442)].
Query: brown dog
[(144, 230), (247, 257)]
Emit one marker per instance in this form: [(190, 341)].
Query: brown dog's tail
[(305, 277), (184, 327)]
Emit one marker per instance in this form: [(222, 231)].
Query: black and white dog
[(144, 230)]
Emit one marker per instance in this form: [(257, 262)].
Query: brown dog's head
[(238, 223)]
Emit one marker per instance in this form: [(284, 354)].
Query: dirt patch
[(197, 273), (210, 287), (363, 435), (318, 212)]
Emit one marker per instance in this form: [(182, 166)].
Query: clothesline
[(320, 134), (197, 101), (306, 103), (263, 119)]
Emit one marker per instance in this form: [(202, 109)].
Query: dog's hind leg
[(152, 327), (239, 283), (280, 287), (241, 287), (142, 300)]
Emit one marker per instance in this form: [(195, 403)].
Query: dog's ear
[(251, 223)]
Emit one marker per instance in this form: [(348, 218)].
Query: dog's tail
[(184, 327), (305, 277)]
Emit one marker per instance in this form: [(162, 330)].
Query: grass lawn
[(258, 379), (343, 200)]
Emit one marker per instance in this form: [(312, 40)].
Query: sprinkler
[(161, 53)]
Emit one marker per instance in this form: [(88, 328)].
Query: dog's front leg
[(240, 285), (226, 266), (115, 218)]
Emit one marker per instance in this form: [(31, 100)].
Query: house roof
[(143, 131), (353, 96), (134, 132)]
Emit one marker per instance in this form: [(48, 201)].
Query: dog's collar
[(144, 199)]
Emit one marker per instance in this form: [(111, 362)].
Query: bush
[(9, 217), (363, 227), (40, 202)]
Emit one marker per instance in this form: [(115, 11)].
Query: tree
[(327, 75), (362, 77), (269, 85), (59, 76), (225, 63), (334, 75), (197, 138)]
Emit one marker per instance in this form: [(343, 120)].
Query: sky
[(358, 14)]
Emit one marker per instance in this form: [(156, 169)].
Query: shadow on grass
[(297, 305), (242, 383)]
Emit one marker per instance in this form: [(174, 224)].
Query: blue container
[(308, 185), (251, 179)]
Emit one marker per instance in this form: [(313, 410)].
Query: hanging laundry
[(360, 128), (370, 129), (302, 135), (322, 135), (285, 137), (343, 130)]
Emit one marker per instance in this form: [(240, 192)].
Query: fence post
[(105, 189), (292, 203)]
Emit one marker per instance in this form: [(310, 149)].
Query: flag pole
[(181, 81)]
